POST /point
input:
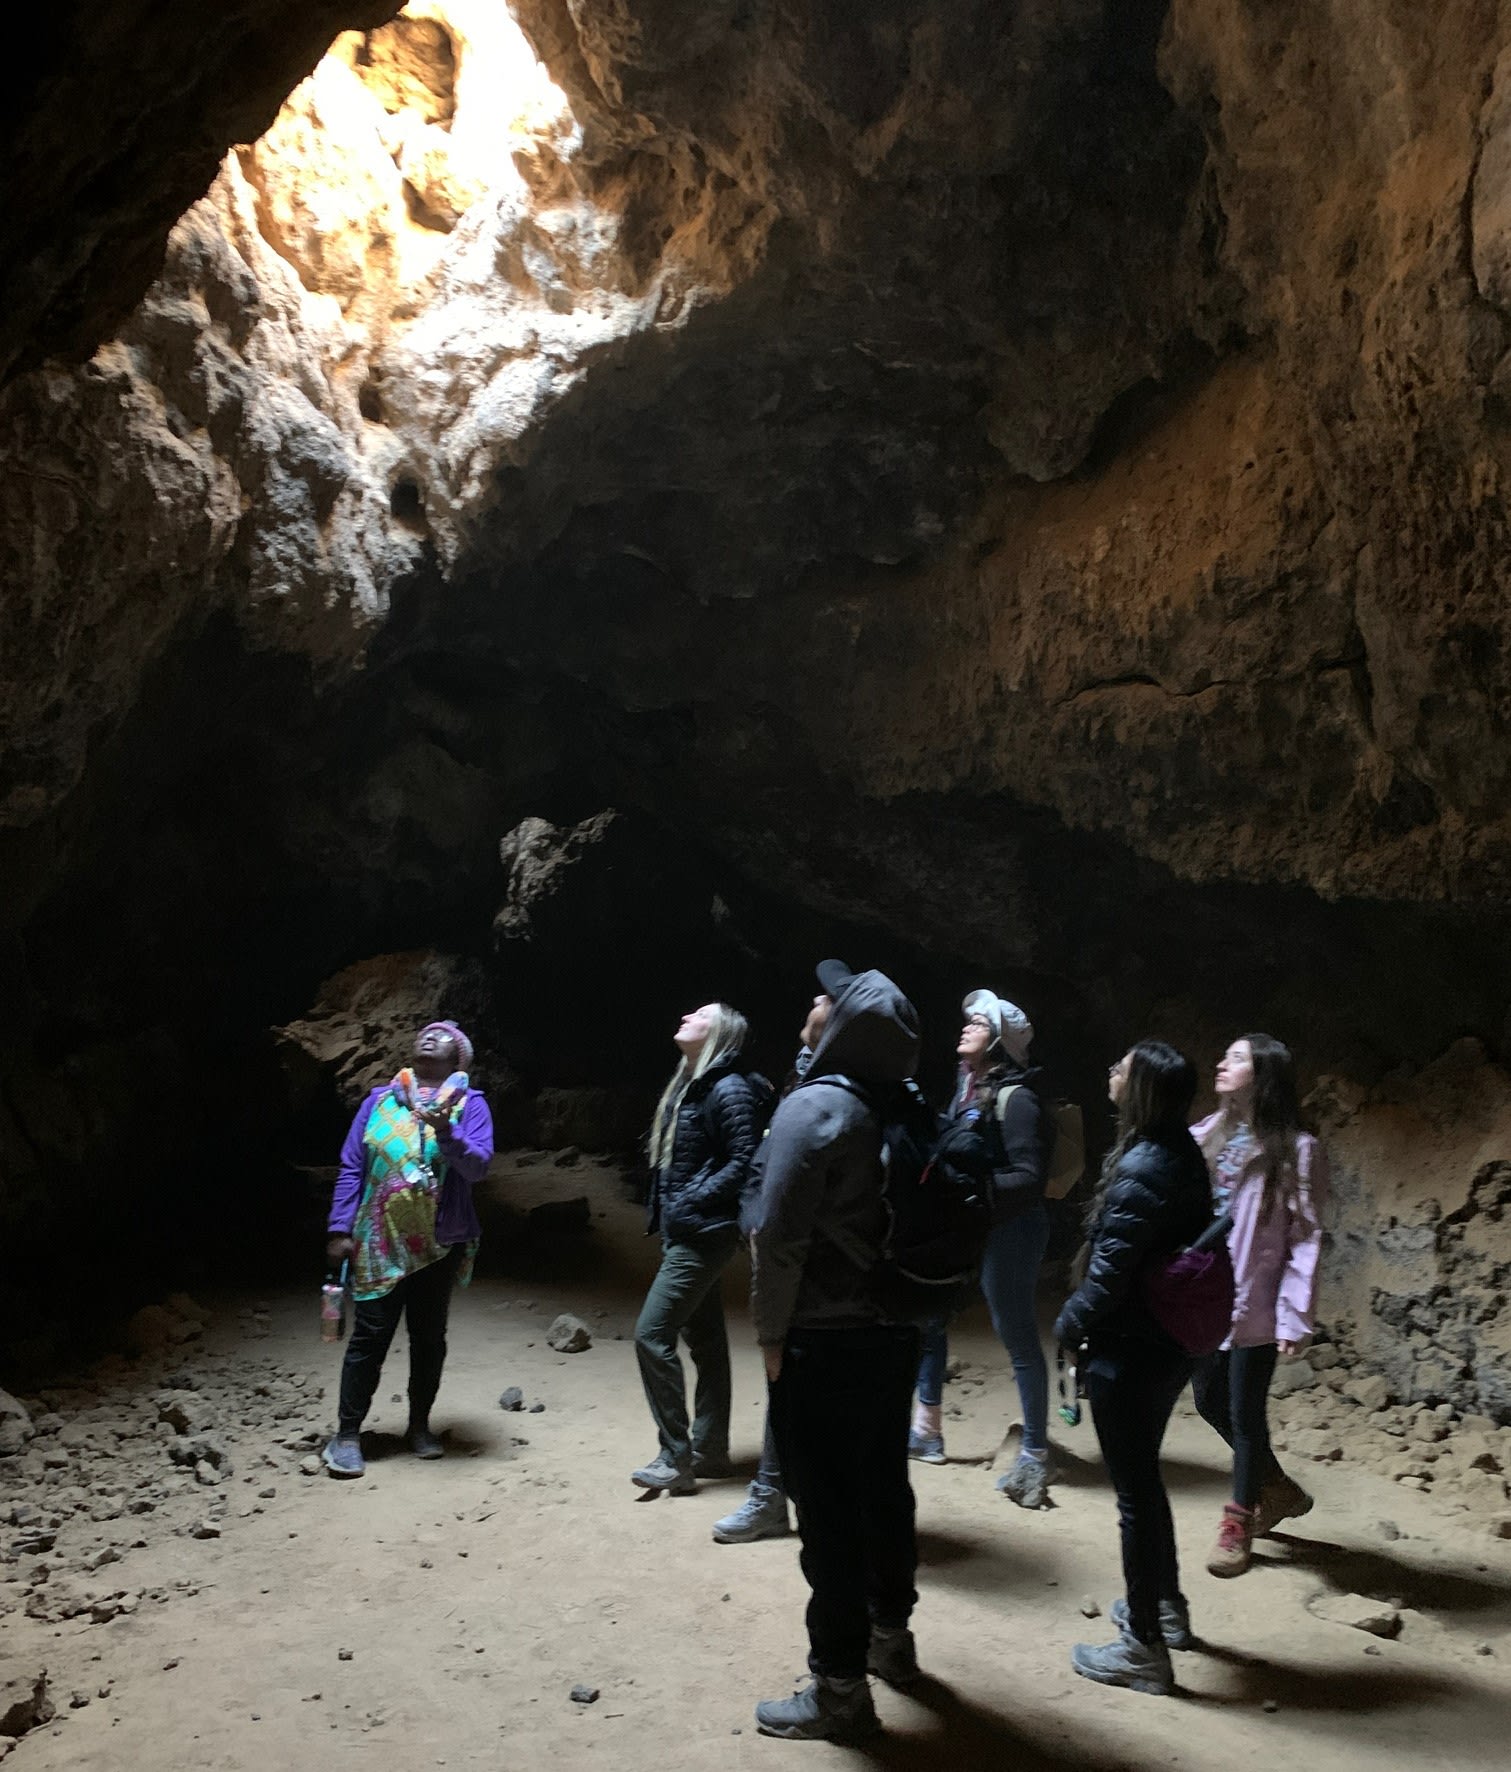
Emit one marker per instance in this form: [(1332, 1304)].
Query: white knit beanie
[(1011, 1028)]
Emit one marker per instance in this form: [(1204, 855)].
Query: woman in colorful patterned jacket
[(402, 1217), (1272, 1177)]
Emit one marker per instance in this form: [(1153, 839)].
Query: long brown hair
[(1274, 1118), (1156, 1105)]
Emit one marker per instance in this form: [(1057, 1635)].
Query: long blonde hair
[(726, 1038)]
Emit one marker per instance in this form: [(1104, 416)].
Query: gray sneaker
[(826, 1710), (926, 1448), (1141, 1667), (424, 1444), (342, 1456), (661, 1473), (893, 1656), (1174, 1622), (1027, 1482), (762, 1514)]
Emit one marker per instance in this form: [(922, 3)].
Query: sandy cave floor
[(474, 1593)]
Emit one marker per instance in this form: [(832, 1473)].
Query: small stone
[(1484, 1648), (1270, 1706), (569, 1335), (310, 1467), (78, 1700), (1378, 1617), (512, 1399), (344, 1654), (1388, 1530), (266, 1494), (168, 1666), (1090, 1609), (537, 1408), (1373, 1649), (206, 1529), (425, 1563), (584, 1694)]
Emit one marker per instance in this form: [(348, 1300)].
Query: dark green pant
[(685, 1299)]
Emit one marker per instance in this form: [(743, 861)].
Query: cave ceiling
[(1028, 477)]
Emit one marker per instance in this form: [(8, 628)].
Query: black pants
[(423, 1300), (1132, 1387), (840, 1414), (1232, 1392)]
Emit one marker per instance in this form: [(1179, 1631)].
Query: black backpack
[(937, 1190)]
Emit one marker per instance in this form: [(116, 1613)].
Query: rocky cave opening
[(554, 512)]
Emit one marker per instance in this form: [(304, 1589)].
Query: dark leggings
[(1132, 1387), (1232, 1392), (424, 1301)]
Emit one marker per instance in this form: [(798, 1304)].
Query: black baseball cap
[(834, 977)]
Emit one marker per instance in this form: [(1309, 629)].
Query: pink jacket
[(1275, 1263)]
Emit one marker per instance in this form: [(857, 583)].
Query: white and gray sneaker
[(1174, 1621), (762, 1514), (661, 1473), (1141, 1667), (893, 1656), (826, 1710)]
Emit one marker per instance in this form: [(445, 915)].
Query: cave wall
[(1022, 488)]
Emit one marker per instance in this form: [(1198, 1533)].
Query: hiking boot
[(762, 1514), (893, 1656), (1141, 1667), (926, 1448), (424, 1444), (342, 1456), (1232, 1554), (1174, 1622), (714, 1465), (661, 1473), (1279, 1499), (1027, 1482), (826, 1710)]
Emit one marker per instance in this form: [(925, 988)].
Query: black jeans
[(423, 1300), (1132, 1387), (840, 1414), (1232, 1392)]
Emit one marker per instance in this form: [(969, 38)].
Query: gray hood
[(872, 1033)]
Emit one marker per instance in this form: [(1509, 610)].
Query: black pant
[(423, 1300), (840, 1414), (1232, 1392), (1132, 1387)]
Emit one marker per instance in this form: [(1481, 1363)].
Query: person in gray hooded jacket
[(840, 1371)]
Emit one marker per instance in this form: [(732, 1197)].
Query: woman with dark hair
[(1153, 1198), (998, 1087), (704, 1134), (1272, 1178), (402, 1217)]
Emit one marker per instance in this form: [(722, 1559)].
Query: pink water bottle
[(333, 1307)]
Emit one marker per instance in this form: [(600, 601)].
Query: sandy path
[(474, 1593)]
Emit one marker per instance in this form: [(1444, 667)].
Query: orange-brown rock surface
[(1021, 487)]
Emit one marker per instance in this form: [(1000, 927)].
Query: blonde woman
[(705, 1132)]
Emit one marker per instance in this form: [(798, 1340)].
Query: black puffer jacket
[(719, 1125), (1159, 1200)]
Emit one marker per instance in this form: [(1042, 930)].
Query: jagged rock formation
[(1022, 489)]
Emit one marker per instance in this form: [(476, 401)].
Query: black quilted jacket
[(1159, 1200), (719, 1125)]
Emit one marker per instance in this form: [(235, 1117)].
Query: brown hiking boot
[(1279, 1499), (1231, 1554)]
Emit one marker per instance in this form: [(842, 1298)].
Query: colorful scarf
[(403, 1169)]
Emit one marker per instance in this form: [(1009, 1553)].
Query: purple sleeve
[(343, 1213), (468, 1147), (1295, 1305)]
